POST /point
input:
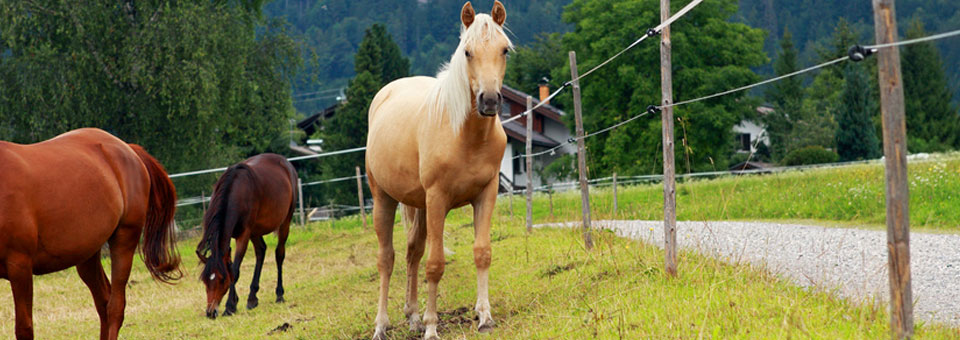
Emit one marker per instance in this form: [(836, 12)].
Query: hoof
[(380, 335), (229, 312), (432, 337), (212, 314), (415, 325), (486, 327), (251, 304), (280, 299)]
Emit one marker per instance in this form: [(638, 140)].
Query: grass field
[(543, 285), (849, 195)]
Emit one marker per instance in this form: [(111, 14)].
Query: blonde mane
[(452, 93)]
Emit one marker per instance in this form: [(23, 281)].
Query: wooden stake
[(581, 154), (614, 195), (669, 184), (303, 220), (895, 161), (529, 165), (363, 212)]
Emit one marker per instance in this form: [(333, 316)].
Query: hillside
[(426, 31)]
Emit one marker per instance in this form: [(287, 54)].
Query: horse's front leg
[(437, 208), (20, 274), (483, 208), (231, 306)]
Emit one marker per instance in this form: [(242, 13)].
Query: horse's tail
[(414, 219), (222, 217), (159, 243)]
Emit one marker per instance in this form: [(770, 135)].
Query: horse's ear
[(498, 13), (467, 14)]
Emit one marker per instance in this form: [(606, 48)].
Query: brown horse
[(251, 199), (62, 199), (435, 144)]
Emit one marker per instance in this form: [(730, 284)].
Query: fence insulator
[(653, 109), (652, 32), (858, 53)]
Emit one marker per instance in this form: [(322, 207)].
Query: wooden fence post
[(895, 159), (614, 195), (303, 220), (669, 184), (529, 165), (363, 212), (581, 154)]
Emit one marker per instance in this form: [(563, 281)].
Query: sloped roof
[(517, 96)]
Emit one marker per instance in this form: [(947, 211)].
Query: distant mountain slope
[(426, 30)]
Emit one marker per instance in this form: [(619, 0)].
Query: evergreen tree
[(932, 120), (856, 136), (378, 61), (786, 96)]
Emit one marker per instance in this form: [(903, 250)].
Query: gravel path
[(853, 261)]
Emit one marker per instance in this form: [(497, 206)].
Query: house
[(748, 131), (548, 132)]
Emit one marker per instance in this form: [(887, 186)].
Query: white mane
[(452, 92)]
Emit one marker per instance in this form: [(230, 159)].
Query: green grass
[(544, 286), (845, 195)]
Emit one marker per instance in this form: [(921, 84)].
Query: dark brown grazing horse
[(62, 199), (251, 199)]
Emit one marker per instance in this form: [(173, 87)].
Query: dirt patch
[(557, 269), (280, 329)]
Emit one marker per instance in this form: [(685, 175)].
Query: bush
[(809, 155)]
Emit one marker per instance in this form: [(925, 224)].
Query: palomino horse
[(435, 144), (62, 199), (251, 199)]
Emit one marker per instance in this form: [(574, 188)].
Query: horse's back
[(276, 180), (396, 115), (46, 186)]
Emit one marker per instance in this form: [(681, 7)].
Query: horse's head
[(217, 277), (484, 47)]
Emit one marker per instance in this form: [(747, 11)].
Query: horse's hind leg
[(482, 213), (260, 249), (416, 241), (384, 210), (123, 244), (20, 274), (281, 253), (91, 272), (231, 307)]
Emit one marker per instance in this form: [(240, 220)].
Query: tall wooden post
[(363, 212), (614, 195), (529, 165), (895, 161), (581, 154), (303, 220), (669, 184)]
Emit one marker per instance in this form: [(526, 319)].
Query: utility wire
[(917, 40)]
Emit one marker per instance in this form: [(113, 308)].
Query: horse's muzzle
[(489, 105)]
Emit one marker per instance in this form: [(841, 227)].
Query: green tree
[(377, 62), (529, 64), (786, 96), (198, 84), (710, 54), (933, 123), (856, 136)]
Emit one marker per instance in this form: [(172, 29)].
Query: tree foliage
[(198, 84), (933, 123), (710, 54), (856, 136)]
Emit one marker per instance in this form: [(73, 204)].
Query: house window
[(743, 142)]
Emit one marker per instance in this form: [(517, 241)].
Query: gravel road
[(853, 261)]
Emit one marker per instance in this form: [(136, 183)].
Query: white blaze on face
[(213, 276)]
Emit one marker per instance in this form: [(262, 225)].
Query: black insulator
[(858, 53), (653, 109), (652, 32)]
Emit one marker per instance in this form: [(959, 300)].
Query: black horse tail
[(228, 211)]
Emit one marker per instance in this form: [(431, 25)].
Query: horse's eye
[(466, 53), (505, 51)]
